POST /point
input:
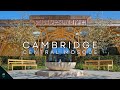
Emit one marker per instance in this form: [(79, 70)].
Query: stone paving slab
[(89, 74), (70, 73)]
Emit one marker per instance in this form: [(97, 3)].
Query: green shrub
[(103, 68), (4, 66), (116, 68), (40, 60), (0, 61), (18, 68), (115, 58), (4, 59), (92, 67), (29, 57), (116, 61), (41, 67), (79, 66), (13, 57)]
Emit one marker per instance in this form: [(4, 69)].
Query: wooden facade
[(52, 28)]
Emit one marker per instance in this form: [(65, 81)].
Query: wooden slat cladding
[(57, 17), (5, 23)]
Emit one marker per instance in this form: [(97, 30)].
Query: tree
[(20, 32), (102, 33)]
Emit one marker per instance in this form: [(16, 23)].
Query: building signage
[(75, 22)]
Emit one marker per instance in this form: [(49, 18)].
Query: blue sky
[(93, 14)]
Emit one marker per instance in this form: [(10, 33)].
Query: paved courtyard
[(89, 74)]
